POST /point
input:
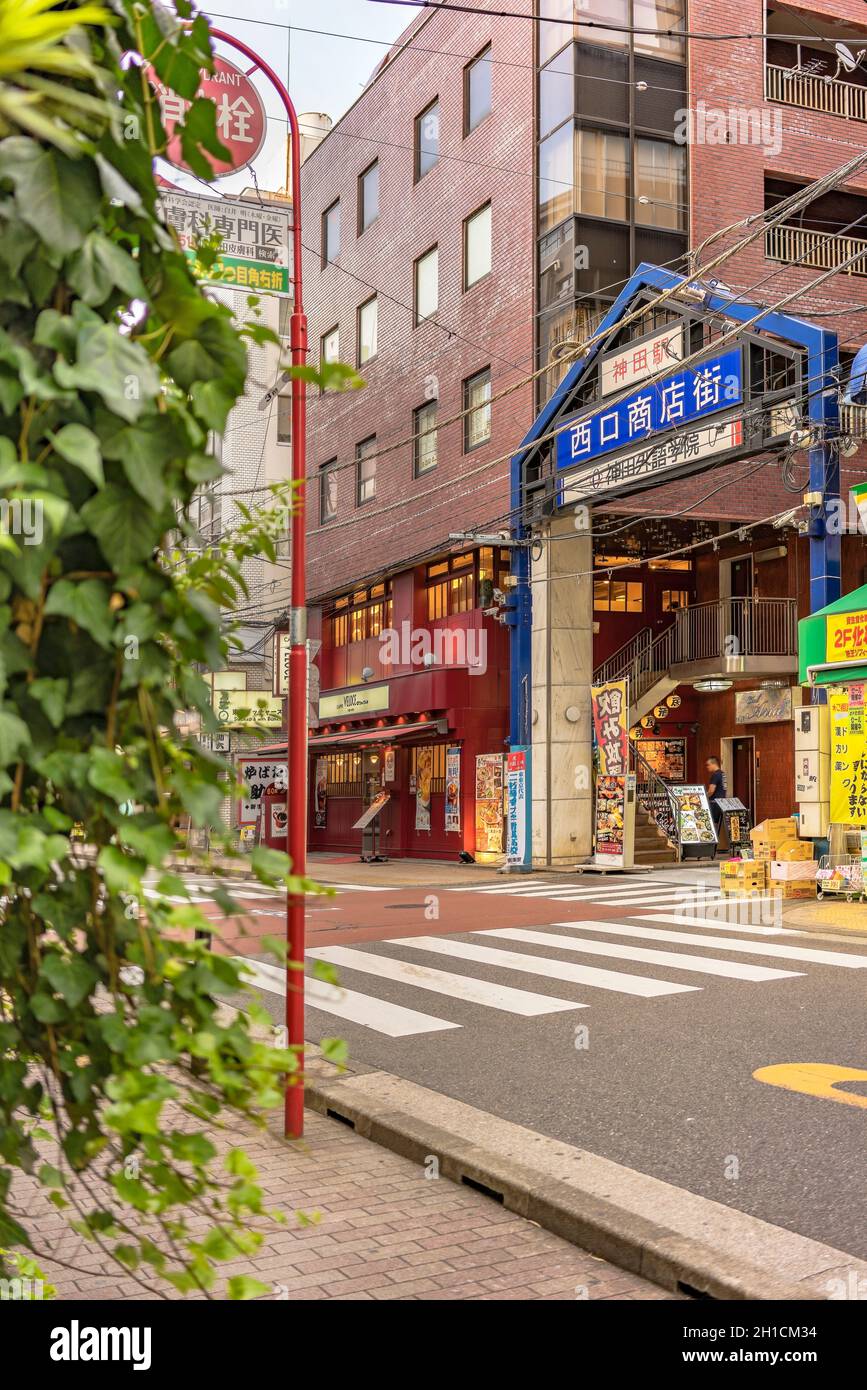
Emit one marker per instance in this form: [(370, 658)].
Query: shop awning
[(354, 738), (832, 644)]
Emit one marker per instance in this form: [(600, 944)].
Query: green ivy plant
[(115, 369)]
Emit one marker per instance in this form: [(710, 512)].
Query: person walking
[(716, 791)]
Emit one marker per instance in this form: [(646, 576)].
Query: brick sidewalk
[(386, 1232)]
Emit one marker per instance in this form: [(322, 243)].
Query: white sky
[(324, 73)]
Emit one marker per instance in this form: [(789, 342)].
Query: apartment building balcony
[(812, 92), (817, 250)]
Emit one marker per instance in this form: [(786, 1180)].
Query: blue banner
[(714, 384)]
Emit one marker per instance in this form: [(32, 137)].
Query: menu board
[(424, 778), (453, 789), (848, 754), (667, 757), (610, 813), (372, 811), (695, 823), (489, 803)]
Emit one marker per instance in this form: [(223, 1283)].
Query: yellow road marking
[(814, 1079)]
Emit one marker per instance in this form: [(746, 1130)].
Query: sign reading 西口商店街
[(848, 754), (363, 699), (254, 241), (846, 636)]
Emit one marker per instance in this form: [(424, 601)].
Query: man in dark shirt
[(716, 790)]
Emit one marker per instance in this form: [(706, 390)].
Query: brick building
[(480, 205)]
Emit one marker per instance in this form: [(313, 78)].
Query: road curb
[(537, 1178)]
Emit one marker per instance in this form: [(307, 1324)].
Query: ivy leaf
[(69, 976), (100, 268), (153, 842), (107, 774), (123, 873), (116, 369), (14, 737), (200, 130), (79, 445), (51, 692), (85, 602), (56, 196), (119, 522)]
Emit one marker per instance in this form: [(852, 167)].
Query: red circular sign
[(241, 120)]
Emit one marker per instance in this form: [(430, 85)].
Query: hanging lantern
[(661, 712)]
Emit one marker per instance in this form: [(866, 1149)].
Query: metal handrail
[(815, 93), (622, 657), (825, 250), (654, 797)]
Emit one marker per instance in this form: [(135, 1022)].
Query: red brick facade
[(489, 325)]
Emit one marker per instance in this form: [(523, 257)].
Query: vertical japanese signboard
[(258, 775), (320, 794), (848, 755), (453, 789), (611, 734), (424, 779), (489, 804), (517, 800)]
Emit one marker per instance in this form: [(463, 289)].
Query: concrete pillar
[(562, 669)]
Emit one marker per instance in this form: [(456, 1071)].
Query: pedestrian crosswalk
[(201, 890), (693, 899), (534, 973)]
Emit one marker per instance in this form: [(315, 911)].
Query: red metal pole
[(296, 741)]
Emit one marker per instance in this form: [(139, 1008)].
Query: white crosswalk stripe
[(844, 960), (642, 986), (494, 996), (667, 960)]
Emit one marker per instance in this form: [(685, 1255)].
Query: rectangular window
[(329, 347), (368, 196), (427, 139), (617, 596), (557, 91), (673, 599), (660, 184), (340, 630), (556, 177), (284, 419), (331, 233), (477, 246), (659, 15), (424, 444), (477, 401), (477, 90), (426, 285), (327, 491), (368, 331), (602, 174), (358, 625), (365, 465)]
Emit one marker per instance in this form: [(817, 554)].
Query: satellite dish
[(847, 57)]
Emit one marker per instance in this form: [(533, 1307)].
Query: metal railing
[(624, 655), (723, 628), (654, 797), (853, 421), (824, 250), (814, 93)]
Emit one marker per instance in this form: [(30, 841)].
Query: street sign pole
[(296, 714)]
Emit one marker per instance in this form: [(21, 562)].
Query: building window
[(450, 589), (343, 775), (329, 348), (557, 91), (340, 629), (556, 177), (365, 465), (617, 596), (477, 404), (660, 181), (368, 196), (284, 419), (656, 16), (368, 331), (477, 246), (673, 599), (427, 139), (331, 233), (477, 90), (327, 491), (424, 419), (426, 285), (602, 174)]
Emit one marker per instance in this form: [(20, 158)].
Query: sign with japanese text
[(694, 820), (516, 802), (254, 245), (641, 360), (712, 385), (259, 775), (424, 779), (237, 708), (641, 469), (352, 703), (489, 803), (611, 728), (846, 637), (453, 789), (609, 819), (240, 116), (848, 755)]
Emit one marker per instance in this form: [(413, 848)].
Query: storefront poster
[(424, 777), (489, 803), (388, 764), (611, 728), (259, 775), (320, 794), (846, 637), (848, 755), (279, 821), (666, 756), (453, 789), (695, 823), (610, 815), (516, 797)]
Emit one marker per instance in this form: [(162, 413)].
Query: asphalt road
[(656, 1071)]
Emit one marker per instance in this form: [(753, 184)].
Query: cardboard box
[(775, 832), (796, 871), (790, 851), (796, 890), (742, 876)]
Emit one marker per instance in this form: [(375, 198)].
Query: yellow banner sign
[(846, 636), (236, 708), (848, 755), (352, 703)]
